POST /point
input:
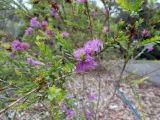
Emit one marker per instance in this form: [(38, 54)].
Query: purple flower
[(85, 66), (105, 29), (88, 115), (85, 61), (33, 62), (70, 96), (29, 31), (10, 93), (12, 55), (54, 12), (92, 97), (62, 105), (149, 47), (65, 34), (19, 46), (93, 46), (79, 54), (69, 114), (34, 22), (49, 33), (82, 1), (145, 33), (44, 24), (84, 56), (94, 13)]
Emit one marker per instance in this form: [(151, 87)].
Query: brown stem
[(118, 82), (89, 18), (107, 17)]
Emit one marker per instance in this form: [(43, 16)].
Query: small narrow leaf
[(154, 39), (139, 80)]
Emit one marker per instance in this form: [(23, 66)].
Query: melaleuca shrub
[(62, 38)]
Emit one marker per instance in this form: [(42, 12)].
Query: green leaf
[(68, 67), (64, 43), (130, 5), (138, 101), (44, 49), (2, 18), (139, 80), (153, 39), (53, 92)]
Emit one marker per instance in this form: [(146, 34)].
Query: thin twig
[(139, 54), (99, 94), (117, 85), (107, 16), (21, 98), (83, 93), (89, 18)]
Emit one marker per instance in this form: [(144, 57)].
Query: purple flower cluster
[(70, 114), (84, 66), (149, 47), (105, 29), (145, 33), (82, 1), (54, 12), (70, 96), (35, 23), (29, 31), (19, 46), (49, 33), (12, 55), (93, 46), (92, 97), (33, 62), (44, 24), (88, 115), (65, 34), (84, 56), (94, 12)]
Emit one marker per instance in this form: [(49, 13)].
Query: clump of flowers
[(145, 33), (85, 66), (70, 114), (94, 12), (34, 22), (12, 55), (54, 12), (92, 97), (44, 24), (65, 34), (88, 115), (19, 46), (84, 56), (105, 29), (49, 33), (93, 46), (29, 31), (149, 47), (33, 62)]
